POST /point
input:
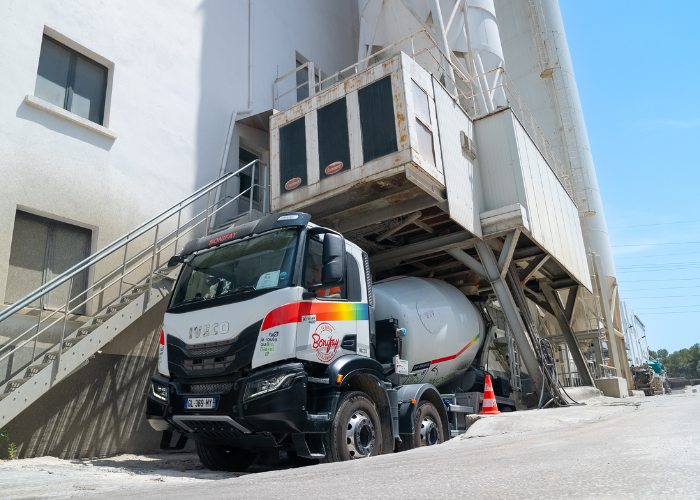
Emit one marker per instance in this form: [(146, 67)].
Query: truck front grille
[(221, 358), (220, 388)]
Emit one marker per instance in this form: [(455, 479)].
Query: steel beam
[(507, 252), (533, 267), (567, 331), (397, 209), (390, 258), (607, 315), (515, 321), (570, 303), (468, 261)]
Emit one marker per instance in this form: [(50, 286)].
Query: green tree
[(662, 354), (683, 363), (653, 354)]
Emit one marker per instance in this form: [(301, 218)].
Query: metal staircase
[(128, 277)]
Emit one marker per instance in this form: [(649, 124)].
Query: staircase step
[(118, 306), (104, 317), (84, 330), (68, 343), (34, 369), (15, 384), (53, 355)]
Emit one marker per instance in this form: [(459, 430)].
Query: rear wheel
[(428, 428), (356, 431), (225, 458)]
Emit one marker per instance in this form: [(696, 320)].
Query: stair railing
[(137, 271)]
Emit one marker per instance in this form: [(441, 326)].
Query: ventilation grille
[(220, 388)]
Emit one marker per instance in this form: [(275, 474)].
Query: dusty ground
[(610, 448)]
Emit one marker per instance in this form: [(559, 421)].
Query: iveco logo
[(207, 330)]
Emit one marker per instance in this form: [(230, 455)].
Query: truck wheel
[(224, 458), (428, 428), (356, 431)]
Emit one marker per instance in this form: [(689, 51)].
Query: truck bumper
[(257, 422)]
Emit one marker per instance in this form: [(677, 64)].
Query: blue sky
[(636, 65)]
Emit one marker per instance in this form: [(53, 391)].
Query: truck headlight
[(265, 385), (159, 391)]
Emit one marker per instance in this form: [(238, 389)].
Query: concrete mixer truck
[(275, 337)]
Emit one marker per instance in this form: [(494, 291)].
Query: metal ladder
[(514, 362), (129, 276), (544, 46)]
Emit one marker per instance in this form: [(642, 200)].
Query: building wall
[(176, 73)]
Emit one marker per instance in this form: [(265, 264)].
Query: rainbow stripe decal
[(448, 358), (324, 311)]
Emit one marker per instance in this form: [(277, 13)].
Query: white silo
[(539, 64), (466, 31)]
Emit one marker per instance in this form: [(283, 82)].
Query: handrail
[(156, 246), (65, 311), (115, 245)]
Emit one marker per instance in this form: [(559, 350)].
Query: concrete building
[(117, 112), (109, 114)]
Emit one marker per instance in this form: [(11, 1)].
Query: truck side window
[(312, 271)]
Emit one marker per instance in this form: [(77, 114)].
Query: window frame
[(72, 65)]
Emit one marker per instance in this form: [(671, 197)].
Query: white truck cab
[(269, 342)]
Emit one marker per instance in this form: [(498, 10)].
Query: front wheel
[(356, 431), (225, 458), (428, 428)]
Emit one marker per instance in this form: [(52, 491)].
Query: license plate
[(200, 403)]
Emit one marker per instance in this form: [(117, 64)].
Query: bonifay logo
[(208, 330), (292, 183), (325, 341)]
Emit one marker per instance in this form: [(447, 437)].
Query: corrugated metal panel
[(461, 175), (554, 221), (514, 171)]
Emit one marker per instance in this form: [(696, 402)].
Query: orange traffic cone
[(489, 407)]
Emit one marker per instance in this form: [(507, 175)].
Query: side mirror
[(333, 259), (174, 261)]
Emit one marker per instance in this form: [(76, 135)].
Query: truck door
[(328, 326)]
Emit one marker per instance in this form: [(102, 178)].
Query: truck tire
[(428, 428), (356, 431), (225, 458)]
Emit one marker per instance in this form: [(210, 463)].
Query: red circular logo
[(334, 167), (292, 183), (325, 342)]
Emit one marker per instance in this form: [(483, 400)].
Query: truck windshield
[(265, 261)]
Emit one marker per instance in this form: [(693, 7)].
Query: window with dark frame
[(71, 81), (244, 158)]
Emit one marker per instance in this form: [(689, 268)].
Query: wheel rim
[(429, 432), (360, 435)]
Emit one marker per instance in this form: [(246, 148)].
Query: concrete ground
[(611, 448)]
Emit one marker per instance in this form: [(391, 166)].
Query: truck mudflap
[(409, 395)]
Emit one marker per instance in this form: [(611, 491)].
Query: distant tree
[(653, 354), (683, 363), (662, 354)]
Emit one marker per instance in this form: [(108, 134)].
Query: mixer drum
[(444, 330)]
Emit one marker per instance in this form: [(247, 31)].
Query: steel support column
[(607, 314), (568, 332), (515, 321)]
